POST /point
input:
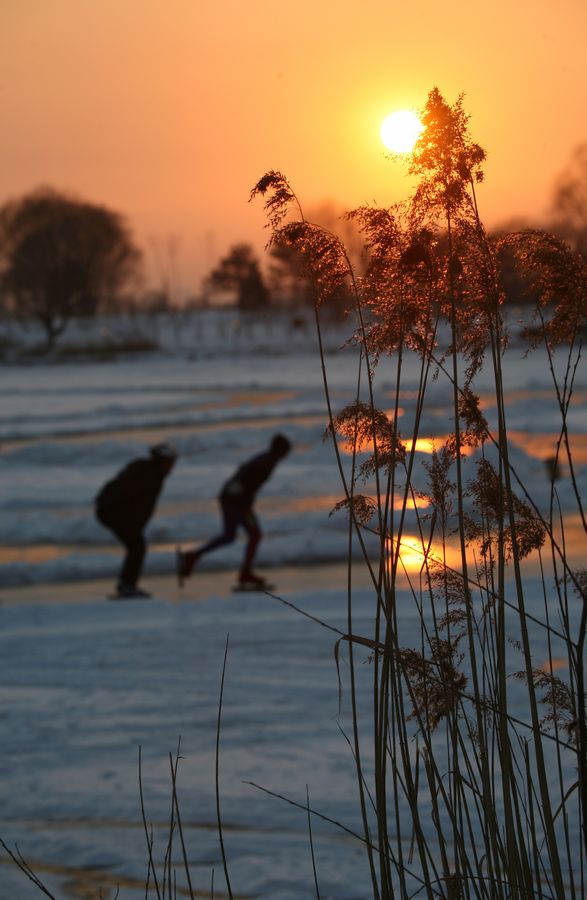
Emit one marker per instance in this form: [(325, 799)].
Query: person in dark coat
[(236, 502), (126, 503)]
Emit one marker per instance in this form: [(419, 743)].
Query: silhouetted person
[(126, 503), (236, 502)]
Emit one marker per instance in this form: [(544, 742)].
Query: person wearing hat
[(126, 503), (236, 502)]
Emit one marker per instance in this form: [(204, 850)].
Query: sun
[(400, 130)]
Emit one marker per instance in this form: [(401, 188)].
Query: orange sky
[(170, 110)]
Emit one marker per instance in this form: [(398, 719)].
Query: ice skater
[(126, 503), (236, 502)]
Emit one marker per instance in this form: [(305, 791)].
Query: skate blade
[(251, 588)]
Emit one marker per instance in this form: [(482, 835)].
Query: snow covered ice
[(85, 682)]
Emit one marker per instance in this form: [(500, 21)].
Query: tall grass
[(471, 758)]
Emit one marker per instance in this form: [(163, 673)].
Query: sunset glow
[(400, 130), (169, 113)]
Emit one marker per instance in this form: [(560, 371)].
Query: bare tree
[(165, 253), (288, 277), (61, 257), (570, 201), (239, 271)]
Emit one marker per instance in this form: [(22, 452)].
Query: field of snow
[(84, 682)]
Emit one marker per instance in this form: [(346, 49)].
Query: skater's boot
[(131, 592), (247, 578)]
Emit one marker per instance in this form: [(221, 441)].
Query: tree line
[(61, 257)]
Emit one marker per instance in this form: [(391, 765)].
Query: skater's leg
[(133, 562), (135, 547), (251, 526), (230, 518)]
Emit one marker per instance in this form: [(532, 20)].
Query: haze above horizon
[(169, 113)]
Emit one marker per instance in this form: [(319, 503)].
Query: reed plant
[(471, 754)]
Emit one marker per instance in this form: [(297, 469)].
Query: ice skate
[(249, 581), (130, 592)]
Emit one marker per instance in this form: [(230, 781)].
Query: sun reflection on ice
[(425, 445), (415, 554), (430, 444)]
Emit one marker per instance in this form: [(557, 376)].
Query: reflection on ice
[(425, 445), (415, 554), (430, 444), (411, 502), (554, 665), (542, 445)]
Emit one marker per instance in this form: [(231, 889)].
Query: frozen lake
[(85, 682)]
